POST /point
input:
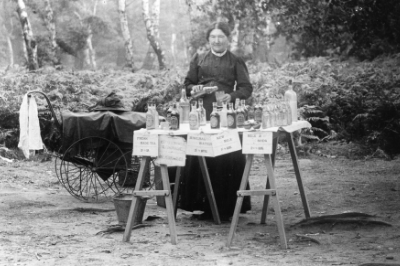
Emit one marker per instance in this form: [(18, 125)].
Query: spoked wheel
[(89, 169), (57, 168)]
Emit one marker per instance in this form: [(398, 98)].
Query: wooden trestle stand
[(136, 213), (270, 189)]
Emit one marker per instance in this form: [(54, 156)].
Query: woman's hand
[(226, 98), (196, 88)]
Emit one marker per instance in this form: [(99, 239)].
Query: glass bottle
[(169, 114), (175, 118), (250, 113), (194, 118), (156, 116), (185, 105), (223, 114), (231, 116), (245, 109), (214, 117), (291, 97), (202, 113), (288, 113), (240, 118), (150, 117), (258, 112)]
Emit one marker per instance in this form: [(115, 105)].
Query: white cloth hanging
[(29, 135)]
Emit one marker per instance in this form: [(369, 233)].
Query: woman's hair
[(223, 26)]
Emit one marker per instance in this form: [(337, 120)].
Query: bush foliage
[(354, 101)]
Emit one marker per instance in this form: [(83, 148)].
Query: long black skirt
[(225, 172)]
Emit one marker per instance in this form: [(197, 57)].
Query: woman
[(217, 67)]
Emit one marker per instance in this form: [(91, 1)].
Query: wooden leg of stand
[(209, 190), (277, 208), (134, 209), (268, 186), (239, 200), (168, 204), (298, 174), (176, 188)]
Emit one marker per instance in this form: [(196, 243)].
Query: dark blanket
[(117, 127), (114, 126)]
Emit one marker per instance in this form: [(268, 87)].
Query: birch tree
[(7, 25), (126, 34), (51, 27), (87, 55), (151, 23), (29, 40)]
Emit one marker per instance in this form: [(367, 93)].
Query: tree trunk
[(148, 62), (152, 30), (235, 43), (30, 42), (126, 34), (9, 46), (51, 27), (91, 52), (8, 29), (87, 56)]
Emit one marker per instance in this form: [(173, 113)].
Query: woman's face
[(218, 41)]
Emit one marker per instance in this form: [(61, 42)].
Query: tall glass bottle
[(240, 118), (150, 117), (223, 113), (258, 112), (185, 105), (288, 113), (266, 117), (245, 109), (194, 118), (202, 112), (291, 97), (214, 117), (175, 118), (231, 116), (169, 114), (156, 116)]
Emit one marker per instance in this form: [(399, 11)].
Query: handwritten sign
[(199, 145), (226, 142), (257, 142), (145, 144), (171, 151)]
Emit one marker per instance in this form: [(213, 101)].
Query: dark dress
[(226, 170)]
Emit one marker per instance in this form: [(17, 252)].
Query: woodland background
[(343, 57)]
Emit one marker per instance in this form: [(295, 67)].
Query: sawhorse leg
[(133, 211), (239, 200), (264, 213), (176, 188), (209, 190), (270, 192), (293, 154)]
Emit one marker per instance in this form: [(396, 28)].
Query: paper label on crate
[(171, 151), (257, 142), (226, 142), (199, 145), (145, 144)]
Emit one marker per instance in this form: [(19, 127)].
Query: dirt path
[(40, 225)]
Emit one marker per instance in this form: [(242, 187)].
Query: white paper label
[(257, 142), (226, 142), (171, 151), (199, 145), (145, 144)]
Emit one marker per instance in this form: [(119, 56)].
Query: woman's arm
[(244, 88), (192, 75)]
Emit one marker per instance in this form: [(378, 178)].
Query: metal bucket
[(123, 202)]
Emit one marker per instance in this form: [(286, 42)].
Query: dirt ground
[(41, 224)]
